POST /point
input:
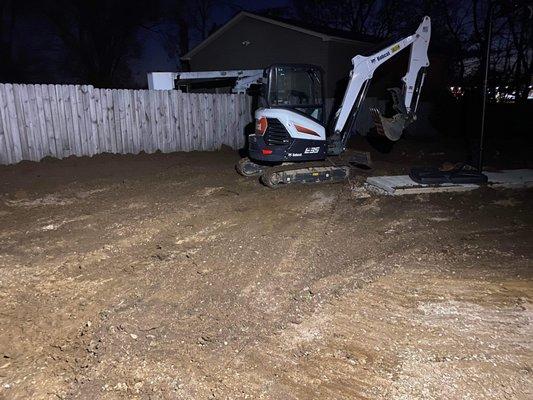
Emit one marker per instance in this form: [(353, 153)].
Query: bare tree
[(390, 20), (99, 36), (358, 15), (184, 22), (520, 26), (202, 14), (458, 26), (350, 15), (173, 29)]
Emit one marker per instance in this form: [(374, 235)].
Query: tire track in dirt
[(421, 349)]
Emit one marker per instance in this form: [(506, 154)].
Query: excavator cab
[(296, 87)]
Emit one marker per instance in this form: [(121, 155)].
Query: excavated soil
[(171, 277)]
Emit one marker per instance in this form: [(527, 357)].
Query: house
[(251, 41)]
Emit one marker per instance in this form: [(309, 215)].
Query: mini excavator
[(291, 142)]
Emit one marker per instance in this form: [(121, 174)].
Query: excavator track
[(327, 170), (308, 173)]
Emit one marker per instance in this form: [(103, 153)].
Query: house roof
[(326, 34)]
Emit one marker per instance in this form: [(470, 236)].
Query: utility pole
[(488, 41)]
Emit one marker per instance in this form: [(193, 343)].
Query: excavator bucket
[(392, 128)]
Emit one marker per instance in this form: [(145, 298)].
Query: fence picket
[(57, 136), (165, 123), (187, 121), (43, 126), (63, 143), (5, 146), (115, 109), (91, 120), (33, 139), (72, 113), (141, 118), (173, 120), (80, 117), (135, 121), (96, 100), (110, 118), (19, 120)]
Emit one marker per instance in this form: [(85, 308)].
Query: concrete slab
[(402, 184), (511, 178)]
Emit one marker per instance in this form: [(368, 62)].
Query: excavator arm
[(406, 99)]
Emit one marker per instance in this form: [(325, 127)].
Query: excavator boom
[(406, 101)]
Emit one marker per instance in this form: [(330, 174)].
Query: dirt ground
[(171, 277)]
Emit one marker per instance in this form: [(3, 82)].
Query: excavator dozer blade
[(246, 167), (392, 128)]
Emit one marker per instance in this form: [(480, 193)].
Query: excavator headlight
[(261, 126)]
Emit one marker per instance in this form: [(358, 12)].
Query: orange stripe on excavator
[(303, 129)]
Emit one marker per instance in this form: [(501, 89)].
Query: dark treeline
[(72, 41), (458, 32), (96, 41)]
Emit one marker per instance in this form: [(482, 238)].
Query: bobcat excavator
[(291, 142)]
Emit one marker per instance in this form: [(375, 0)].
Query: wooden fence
[(62, 120)]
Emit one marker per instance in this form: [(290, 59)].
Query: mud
[(169, 276)]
